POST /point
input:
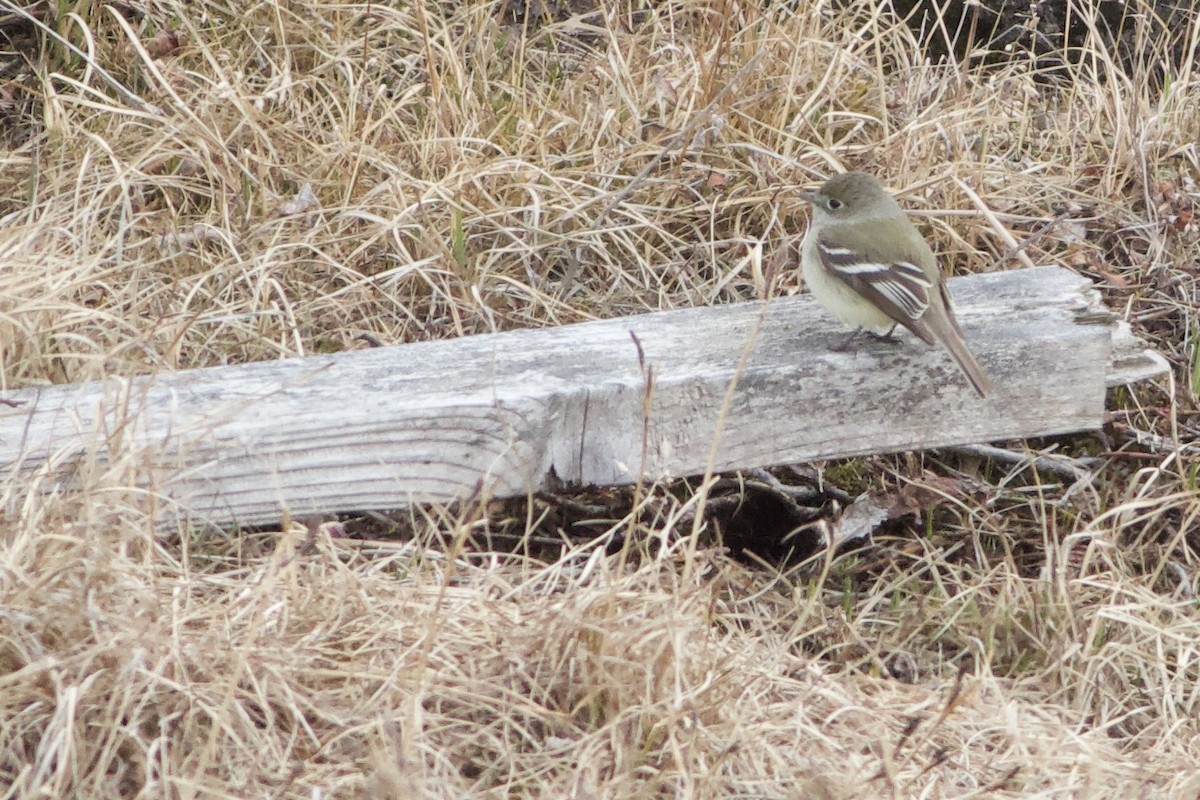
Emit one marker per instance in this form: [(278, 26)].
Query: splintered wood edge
[(1132, 360)]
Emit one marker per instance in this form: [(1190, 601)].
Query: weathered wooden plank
[(508, 413)]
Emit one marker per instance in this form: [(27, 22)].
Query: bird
[(865, 261)]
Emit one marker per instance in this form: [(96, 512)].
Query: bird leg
[(848, 343), (885, 337)]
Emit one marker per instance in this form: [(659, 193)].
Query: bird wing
[(900, 289)]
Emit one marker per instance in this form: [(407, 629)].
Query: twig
[(1159, 444), (997, 228), (1063, 466), (793, 494), (1015, 249), (1031, 240)]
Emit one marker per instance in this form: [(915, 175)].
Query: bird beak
[(809, 194)]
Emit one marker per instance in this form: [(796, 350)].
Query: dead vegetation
[(196, 184)]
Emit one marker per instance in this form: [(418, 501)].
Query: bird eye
[(834, 204)]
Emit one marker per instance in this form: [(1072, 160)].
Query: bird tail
[(950, 335), (966, 362)]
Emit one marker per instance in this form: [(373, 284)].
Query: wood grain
[(505, 414)]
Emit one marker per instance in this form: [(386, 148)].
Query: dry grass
[(1039, 640)]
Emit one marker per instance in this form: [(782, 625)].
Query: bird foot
[(886, 338), (847, 344)]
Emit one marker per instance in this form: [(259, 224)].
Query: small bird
[(870, 266)]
